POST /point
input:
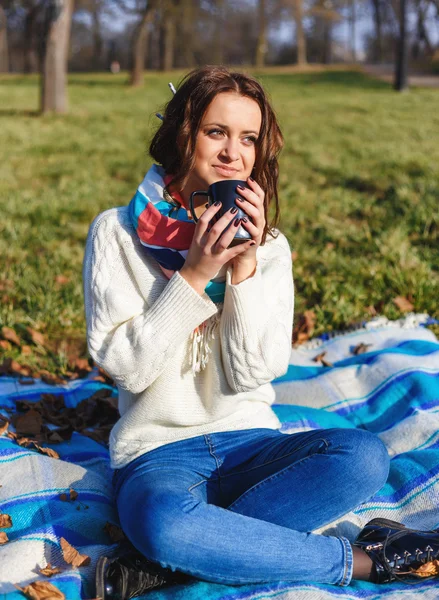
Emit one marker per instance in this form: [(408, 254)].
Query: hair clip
[(174, 91)]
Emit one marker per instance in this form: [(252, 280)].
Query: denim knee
[(368, 461)]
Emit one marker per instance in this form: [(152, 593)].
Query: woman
[(206, 484)]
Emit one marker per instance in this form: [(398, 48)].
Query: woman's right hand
[(209, 250)]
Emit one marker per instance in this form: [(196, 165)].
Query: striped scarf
[(164, 228)]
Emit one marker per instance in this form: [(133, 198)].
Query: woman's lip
[(225, 169)]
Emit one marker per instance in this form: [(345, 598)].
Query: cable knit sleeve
[(257, 320), (130, 334)]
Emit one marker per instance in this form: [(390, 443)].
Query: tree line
[(134, 35)]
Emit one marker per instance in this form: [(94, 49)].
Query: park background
[(80, 84)]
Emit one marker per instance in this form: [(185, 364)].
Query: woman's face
[(225, 145)]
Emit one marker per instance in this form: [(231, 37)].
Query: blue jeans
[(237, 507)]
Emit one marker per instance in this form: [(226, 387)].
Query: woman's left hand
[(244, 265), (253, 206)]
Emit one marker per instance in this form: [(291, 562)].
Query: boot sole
[(99, 577)]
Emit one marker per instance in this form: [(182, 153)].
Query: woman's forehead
[(233, 110)]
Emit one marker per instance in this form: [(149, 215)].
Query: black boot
[(131, 574), (398, 552)]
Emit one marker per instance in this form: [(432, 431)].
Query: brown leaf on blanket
[(48, 571), (3, 538), (73, 494), (116, 534), (320, 358), (9, 334), (72, 556), (361, 348), (28, 424), (403, 304), (4, 424), (427, 569), (5, 520), (41, 590), (48, 451)]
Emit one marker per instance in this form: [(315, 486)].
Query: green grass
[(359, 189)]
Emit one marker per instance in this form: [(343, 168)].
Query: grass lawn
[(359, 190)]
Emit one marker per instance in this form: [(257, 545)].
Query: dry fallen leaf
[(26, 350), (427, 569), (4, 424), (403, 304), (62, 279), (361, 348), (5, 520), (304, 327), (9, 334), (116, 534), (48, 571), (5, 345), (47, 451), (320, 358), (29, 424), (41, 590), (3, 537), (37, 337), (72, 556)]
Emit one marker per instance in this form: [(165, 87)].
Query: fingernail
[(206, 206), (244, 220), (240, 199), (240, 187), (217, 203), (236, 222), (251, 179), (233, 210), (253, 244)]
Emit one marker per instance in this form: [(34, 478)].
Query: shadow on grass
[(353, 79), (98, 81), (19, 112)]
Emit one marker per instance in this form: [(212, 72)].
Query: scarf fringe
[(201, 337)]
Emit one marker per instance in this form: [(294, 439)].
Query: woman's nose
[(231, 149)]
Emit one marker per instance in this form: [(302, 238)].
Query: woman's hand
[(244, 264), (209, 250)]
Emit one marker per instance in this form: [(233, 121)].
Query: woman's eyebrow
[(225, 127)]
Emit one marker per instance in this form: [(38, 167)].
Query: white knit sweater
[(139, 328)]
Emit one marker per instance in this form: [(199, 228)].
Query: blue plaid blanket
[(391, 389)]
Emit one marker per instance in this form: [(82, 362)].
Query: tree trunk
[(54, 56), (261, 44), (401, 82), (140, 44), (300, 34), (97, 36), (327, 41), (378, 19), (168, 38), (4, 55), (218, 55), (353, 35), (188, 25)]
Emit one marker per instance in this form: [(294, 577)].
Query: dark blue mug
[(225, 191)]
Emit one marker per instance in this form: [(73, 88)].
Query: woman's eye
[(212, 131), (250, 139)]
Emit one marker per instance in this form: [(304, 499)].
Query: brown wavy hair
[(173, 145)]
